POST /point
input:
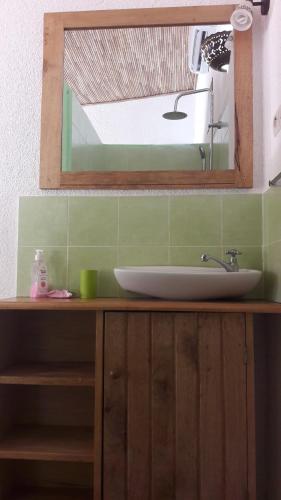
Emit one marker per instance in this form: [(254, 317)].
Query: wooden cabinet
[(176, 401), (123, 400)]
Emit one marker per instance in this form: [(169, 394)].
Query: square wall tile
[(272, 271), (43, 221), (195, 220), (143, 256), (93, 221), (191, 256), (143, 220), (272, 215), (56, 260), (104, 259), (242, 220)]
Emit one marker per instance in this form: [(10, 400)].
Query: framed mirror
[(146, 98)]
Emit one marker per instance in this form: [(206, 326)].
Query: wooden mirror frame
[(51, 176)]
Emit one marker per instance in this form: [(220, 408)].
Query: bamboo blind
[(108, 65)]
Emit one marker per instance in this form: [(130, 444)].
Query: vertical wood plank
[(261, 400), (98, 406), (51, 108), (163, 407), (211, 408), (243, 97), (186, 368), (115, 411), (251, 429), (138, 458), (234, 378)]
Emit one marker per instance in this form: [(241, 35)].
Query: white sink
[(186, 283)]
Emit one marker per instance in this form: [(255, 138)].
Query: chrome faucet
[(232, 266)]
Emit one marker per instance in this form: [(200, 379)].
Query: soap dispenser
[(39, 276)]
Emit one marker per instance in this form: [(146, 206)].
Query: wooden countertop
[(108, 304)]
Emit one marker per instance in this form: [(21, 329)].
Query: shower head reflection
[(174, 115)]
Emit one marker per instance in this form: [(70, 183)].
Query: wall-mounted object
[(61, 27), (242, 17), (264, 5), (215, 51), (274, 181), (277, 122)]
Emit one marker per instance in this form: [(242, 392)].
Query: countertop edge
[(115, 304)]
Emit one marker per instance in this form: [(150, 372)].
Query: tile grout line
[(272, 243), (146, 245), (262, 228), (221, 224), (67, 244), (263, 243), (169, 229), (118, 231)]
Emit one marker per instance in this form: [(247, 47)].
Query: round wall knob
[(113, 374)]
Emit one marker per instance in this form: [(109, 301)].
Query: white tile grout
[(270, 244), (221, 220), (169, 229), (147, 245), (263, 233), (118, 230), (67, 247)]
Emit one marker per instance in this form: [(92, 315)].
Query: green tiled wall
[(115, 157), (104, 232), (272, 243)]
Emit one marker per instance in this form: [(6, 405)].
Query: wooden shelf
[(54, 494), (56, 374), (68, 444)]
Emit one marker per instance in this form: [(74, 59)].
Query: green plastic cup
[(88, 284)]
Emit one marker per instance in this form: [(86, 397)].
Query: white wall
[(271, 76), (20, 100), (113, 121)]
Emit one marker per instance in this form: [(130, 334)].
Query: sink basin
[(186, 283)]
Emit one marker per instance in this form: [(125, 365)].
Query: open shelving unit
[(69, 444), (47, 383), (54, 374), (44, 494)]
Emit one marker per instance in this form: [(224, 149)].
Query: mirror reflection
[(159, 98)]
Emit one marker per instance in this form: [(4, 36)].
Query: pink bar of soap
[(59, 294)]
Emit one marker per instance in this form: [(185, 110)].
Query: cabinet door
[(175, 406)]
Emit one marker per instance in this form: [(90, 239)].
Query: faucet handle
[(233, 252), (233, 262)]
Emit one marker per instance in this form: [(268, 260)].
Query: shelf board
[(67, 444), (56, 374), (54, 493)]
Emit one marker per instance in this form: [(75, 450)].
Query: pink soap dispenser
[(39, 276)]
